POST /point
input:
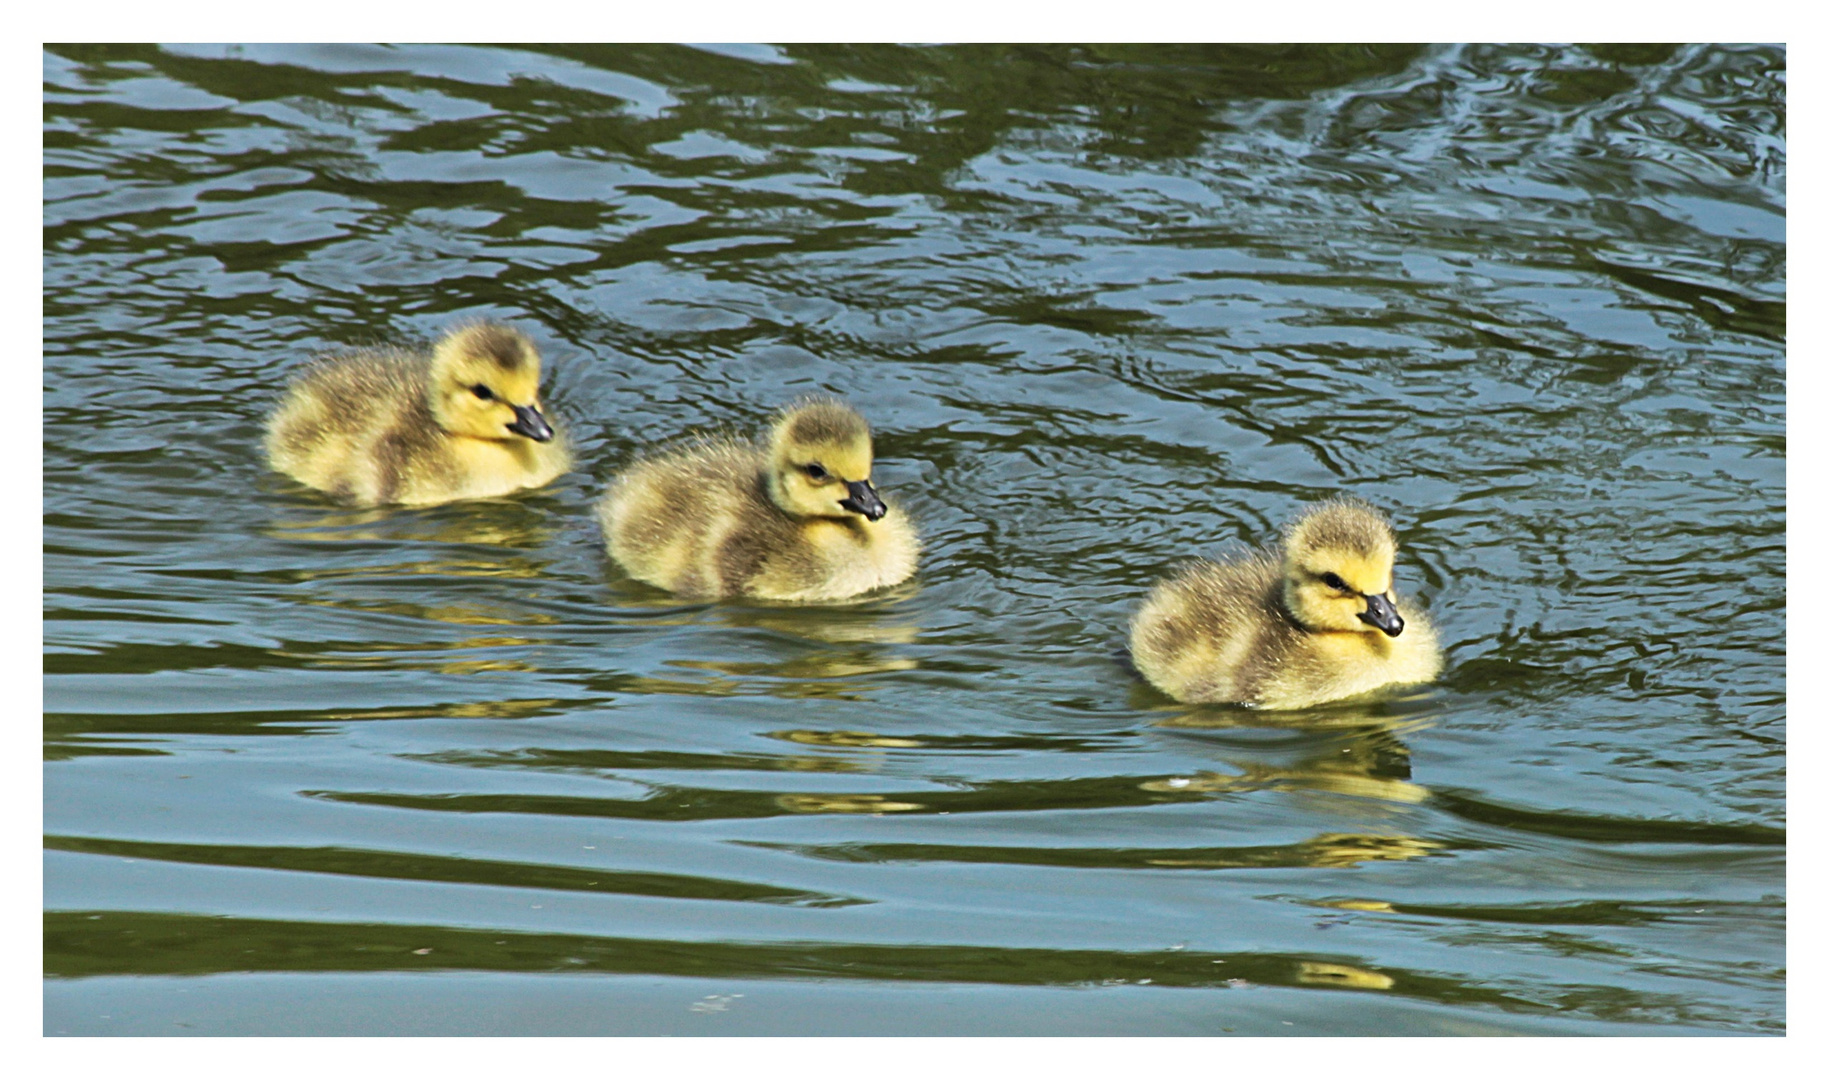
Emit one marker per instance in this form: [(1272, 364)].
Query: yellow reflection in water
[(490, 710), (1392, 716), (503, 568), (1357, 905), (643, 684), (497, 524), (1362, 755), (821, 675), (867, 620), (402, 656), (453, 614), (1258, 777), (819, 666), (1326, 850), (852, 643), (844, 804), (1317, 974), (822, 764), (846, 738), (472, 667), (834, 626)]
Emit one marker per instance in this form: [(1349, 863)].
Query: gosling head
[(486, 384), (1337, 560), (819, 462)]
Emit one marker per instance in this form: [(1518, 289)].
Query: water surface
[(319, 770)]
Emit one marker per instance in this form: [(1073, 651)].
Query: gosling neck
[(771, 488), (1283, 599), (777, 498), (434, 403)]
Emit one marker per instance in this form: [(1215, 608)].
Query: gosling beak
[(1379, 612), (529, 422), (863, 500)]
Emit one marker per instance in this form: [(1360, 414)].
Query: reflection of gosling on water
[(794, 519), (1313, 622), (391, 426)]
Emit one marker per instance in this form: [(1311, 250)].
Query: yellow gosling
[(392, 426), (795, 518), (1313, 621)]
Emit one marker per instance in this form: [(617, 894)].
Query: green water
[(316, 770)]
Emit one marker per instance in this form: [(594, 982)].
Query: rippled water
[(318, 770)]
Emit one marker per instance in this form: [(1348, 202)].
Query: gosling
[(795, 518), (1285, 629), (414, 429)]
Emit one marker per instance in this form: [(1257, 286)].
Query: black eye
[(1333, 581), (482, 392), (815, 471)]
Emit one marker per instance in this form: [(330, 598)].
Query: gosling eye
[(815, 471), (483, 393), (1332, 581)]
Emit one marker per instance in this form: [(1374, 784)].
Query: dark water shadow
[(413, 866), (79, 944)]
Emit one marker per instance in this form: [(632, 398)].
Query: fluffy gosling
[(392, 426), (1312, 622), (795, 518)]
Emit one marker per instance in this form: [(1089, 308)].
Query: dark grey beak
[(863, 500), (529, 422), (1379, 612)]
